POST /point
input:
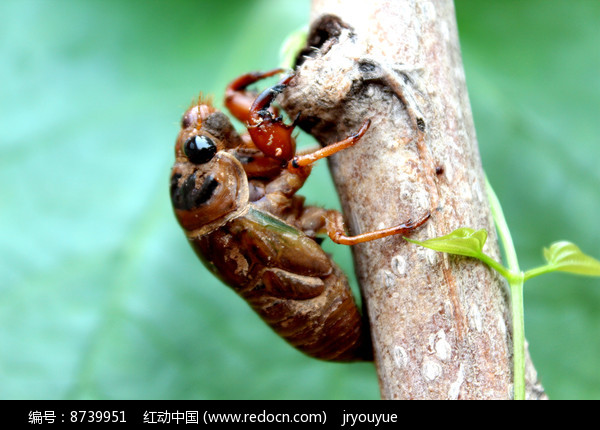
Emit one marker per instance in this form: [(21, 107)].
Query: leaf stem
[(538, 271), (496, 266), (515, 280), (516, 293)]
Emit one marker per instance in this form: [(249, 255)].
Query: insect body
[(235, 197)]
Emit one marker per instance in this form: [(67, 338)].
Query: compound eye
[(199, 149)]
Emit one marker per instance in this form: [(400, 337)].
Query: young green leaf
[(567, 257), (469, 243), (463, 241)]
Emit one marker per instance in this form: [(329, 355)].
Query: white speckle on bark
[(428, 9), (445, 31), (400, 356), (510, 391), (421, 199), (455, 386), (502, 326), (465, 192), (429, 255), (478, 194), (475, 319), (431, 369), (448, 170), (388, 278), (399, 265), (442, 347)]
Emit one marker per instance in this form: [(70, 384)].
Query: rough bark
[(440, 324)]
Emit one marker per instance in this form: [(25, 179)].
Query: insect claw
[(362, 130)]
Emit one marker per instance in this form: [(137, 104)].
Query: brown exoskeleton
[(235, 197)]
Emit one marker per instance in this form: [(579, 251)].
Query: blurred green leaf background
[(100, 295)]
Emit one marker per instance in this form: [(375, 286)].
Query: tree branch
[(440, 324)]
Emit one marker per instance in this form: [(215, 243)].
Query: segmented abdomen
[(311, 307)]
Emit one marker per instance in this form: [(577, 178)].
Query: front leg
[(268, 131), (238, 100), (265, 126)]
